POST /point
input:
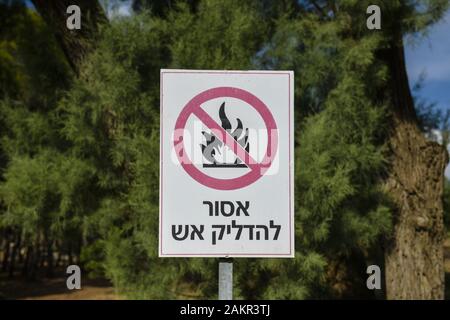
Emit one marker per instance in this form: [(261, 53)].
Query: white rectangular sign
[(226, 164)]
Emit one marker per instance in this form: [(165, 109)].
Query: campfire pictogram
[(216, 153)]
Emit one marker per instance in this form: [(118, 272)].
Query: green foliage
[(225, 34), (37, 194), (339, 206), (83, 160)]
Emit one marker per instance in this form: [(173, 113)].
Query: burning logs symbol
[(215, 148)]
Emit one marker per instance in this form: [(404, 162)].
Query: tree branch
[(76, 44)]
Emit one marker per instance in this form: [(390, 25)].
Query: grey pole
[(225, 279)]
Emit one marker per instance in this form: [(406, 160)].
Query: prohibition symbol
[(257, 169)]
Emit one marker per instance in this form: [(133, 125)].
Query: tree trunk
[(15, 249), (6, 251), (414, 255), (34, 258), (70, 254), (346, 276), (26, 261), (75, 44), (49, 258)]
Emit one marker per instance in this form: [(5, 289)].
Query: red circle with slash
[(257, 170)]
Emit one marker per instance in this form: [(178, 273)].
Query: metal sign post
[(225, 279)]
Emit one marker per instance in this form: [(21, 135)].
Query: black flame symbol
[(213, 145)]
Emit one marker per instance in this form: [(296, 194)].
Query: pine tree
[(412, 271), (30, 190), (82, 169), (338, 161)]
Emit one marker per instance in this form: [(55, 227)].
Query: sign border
[(291, 253)]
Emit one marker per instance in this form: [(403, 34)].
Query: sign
[(226, 171)]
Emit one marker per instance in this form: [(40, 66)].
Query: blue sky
[(431, 55)]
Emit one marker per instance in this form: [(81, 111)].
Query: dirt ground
[(55, 288)]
